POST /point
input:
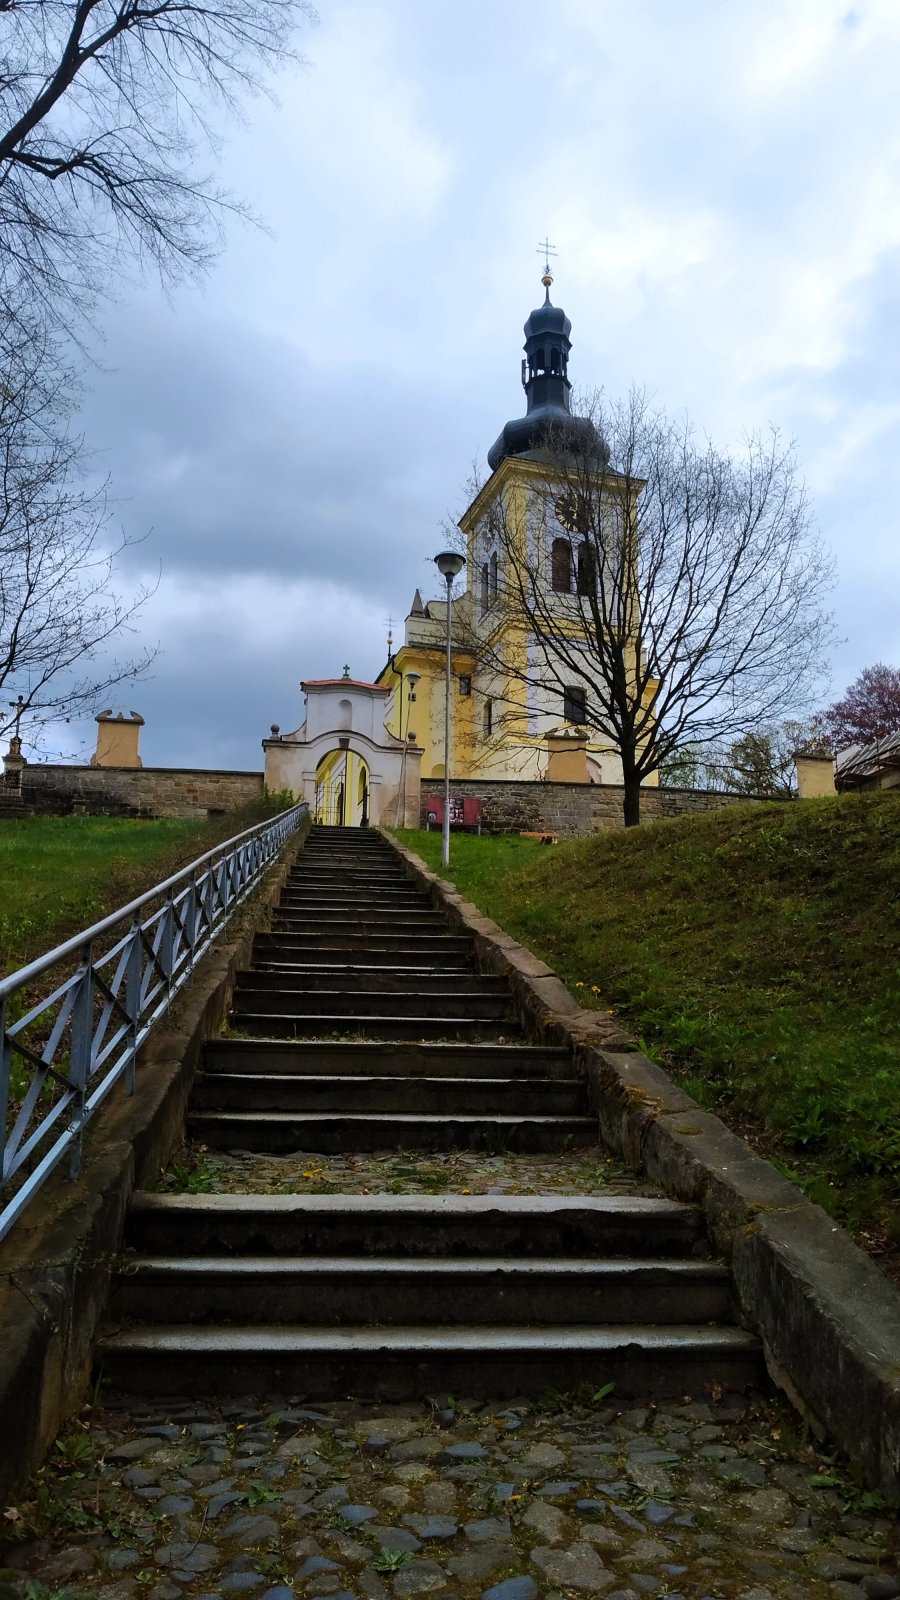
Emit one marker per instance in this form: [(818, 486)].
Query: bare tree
[(59, 612), (675, 593), (104, 105)]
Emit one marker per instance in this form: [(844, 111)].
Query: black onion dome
[(548, 319), (545, 379)]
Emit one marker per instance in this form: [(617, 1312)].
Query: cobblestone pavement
[(712, 1497), (589, 1171)]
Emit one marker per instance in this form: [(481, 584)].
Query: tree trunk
[(631, 804)]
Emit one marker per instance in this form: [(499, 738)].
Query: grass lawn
[(59, 874), (756, 952)]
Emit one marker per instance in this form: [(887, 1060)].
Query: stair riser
[(414, 1234), (425, 952), (455, 1299), (304, 1003), (355, 980), (225, 1092), (372, 1028), (387, 1377), (352, 908), (237, 1055), (314, 957), (331, 1135)]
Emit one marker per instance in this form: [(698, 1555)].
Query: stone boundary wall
[(571, 809), (828, 1319), (55, 1264), (137, 791)]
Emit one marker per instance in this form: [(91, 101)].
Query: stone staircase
[(363, 1025)]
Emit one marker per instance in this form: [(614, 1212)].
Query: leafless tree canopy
[(59, 611), (104, 106), (682, 588)]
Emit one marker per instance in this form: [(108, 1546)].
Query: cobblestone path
[(712, 1497)]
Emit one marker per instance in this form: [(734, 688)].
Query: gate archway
[(342, 790)]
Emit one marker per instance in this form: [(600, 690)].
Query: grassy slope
[(756, 951), (59, 874)]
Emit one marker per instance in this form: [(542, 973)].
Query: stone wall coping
[(181, 772), (55, 1265), (828, 1319), (568, 783)]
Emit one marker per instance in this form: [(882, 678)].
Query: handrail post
[(80, 1054), (133, 984), (167, 941)]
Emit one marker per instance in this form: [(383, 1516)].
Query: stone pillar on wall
[(14, 764), (567, 756), (815, 773), (118, 737)]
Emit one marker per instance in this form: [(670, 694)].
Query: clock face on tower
[(573, 512)]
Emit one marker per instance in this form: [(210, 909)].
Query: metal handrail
[(95, 1019)]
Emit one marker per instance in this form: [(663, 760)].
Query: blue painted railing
[(61, 1055)]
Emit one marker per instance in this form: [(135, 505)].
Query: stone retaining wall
[(137, 791), (571, 809)]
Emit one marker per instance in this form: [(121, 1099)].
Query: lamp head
[(412, 678), (449, 564)]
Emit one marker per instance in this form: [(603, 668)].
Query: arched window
[(587, 572), (488, 719), (561, 567), (493, 578), (485, 587)]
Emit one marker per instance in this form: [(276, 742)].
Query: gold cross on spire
[(546, 250)]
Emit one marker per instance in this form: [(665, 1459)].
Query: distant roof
[(335, 683), (867, 760)]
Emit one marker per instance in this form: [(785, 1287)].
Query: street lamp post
[(449, 565), (412, 679)]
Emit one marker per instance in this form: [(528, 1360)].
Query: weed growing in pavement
[(392, 1560)]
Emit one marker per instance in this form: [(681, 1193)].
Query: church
[(511, 717), (365, 748)]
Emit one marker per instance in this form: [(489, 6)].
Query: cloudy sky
[(722, 184)]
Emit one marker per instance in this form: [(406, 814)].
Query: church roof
[(335, 683)]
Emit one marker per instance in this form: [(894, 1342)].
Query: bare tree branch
[(688, 597)]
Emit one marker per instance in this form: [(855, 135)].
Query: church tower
[(512, 719)]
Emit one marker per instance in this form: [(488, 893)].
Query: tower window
[(561, 566), (488, 718), (587, 572), (485, 587), (465, 684), (575, 703), (492, 586)]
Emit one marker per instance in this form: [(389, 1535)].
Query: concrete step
[(354, 877), (254, 1092), (355, 978), (428, 949), (446, 1226), (335, 1290), (322, 957), (278, 1132), (467, 1001), (408, 1362), (383, 1060), (434, 1029), (409, 924)]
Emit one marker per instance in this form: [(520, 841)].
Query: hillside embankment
[(60, 874), (755, 953)]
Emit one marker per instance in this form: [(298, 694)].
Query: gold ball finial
[(547, 279)]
